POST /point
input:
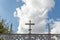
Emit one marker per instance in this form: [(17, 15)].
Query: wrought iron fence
[(29, 36)]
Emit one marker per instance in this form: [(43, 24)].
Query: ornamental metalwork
[(30, 36)]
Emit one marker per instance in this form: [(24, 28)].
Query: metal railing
[(30, 36)]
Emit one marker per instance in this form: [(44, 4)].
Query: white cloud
[(56, 27), (36, 11)]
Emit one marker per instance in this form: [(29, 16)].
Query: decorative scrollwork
[(30, 37)]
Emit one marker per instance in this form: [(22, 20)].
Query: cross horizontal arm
[(29, 24)]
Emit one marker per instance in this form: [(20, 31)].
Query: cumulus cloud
[(36, 11), (56, 27)]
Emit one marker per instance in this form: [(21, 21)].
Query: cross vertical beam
[(48, 29), (49, 32), (29, 26), (11, 29)]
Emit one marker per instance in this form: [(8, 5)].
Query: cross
[(48, 29), (29, 25), (49, 32), (11, 28)]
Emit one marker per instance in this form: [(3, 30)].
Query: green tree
[(4, 27)]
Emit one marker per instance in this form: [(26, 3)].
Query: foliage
[(3, 27)]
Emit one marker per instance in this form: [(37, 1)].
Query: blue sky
[(7, 8), (55, 13)]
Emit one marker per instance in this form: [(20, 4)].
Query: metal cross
[(29, 25), (49, 32), (11, 28), (48, 29)]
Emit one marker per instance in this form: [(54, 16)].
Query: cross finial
[(29, 25)]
